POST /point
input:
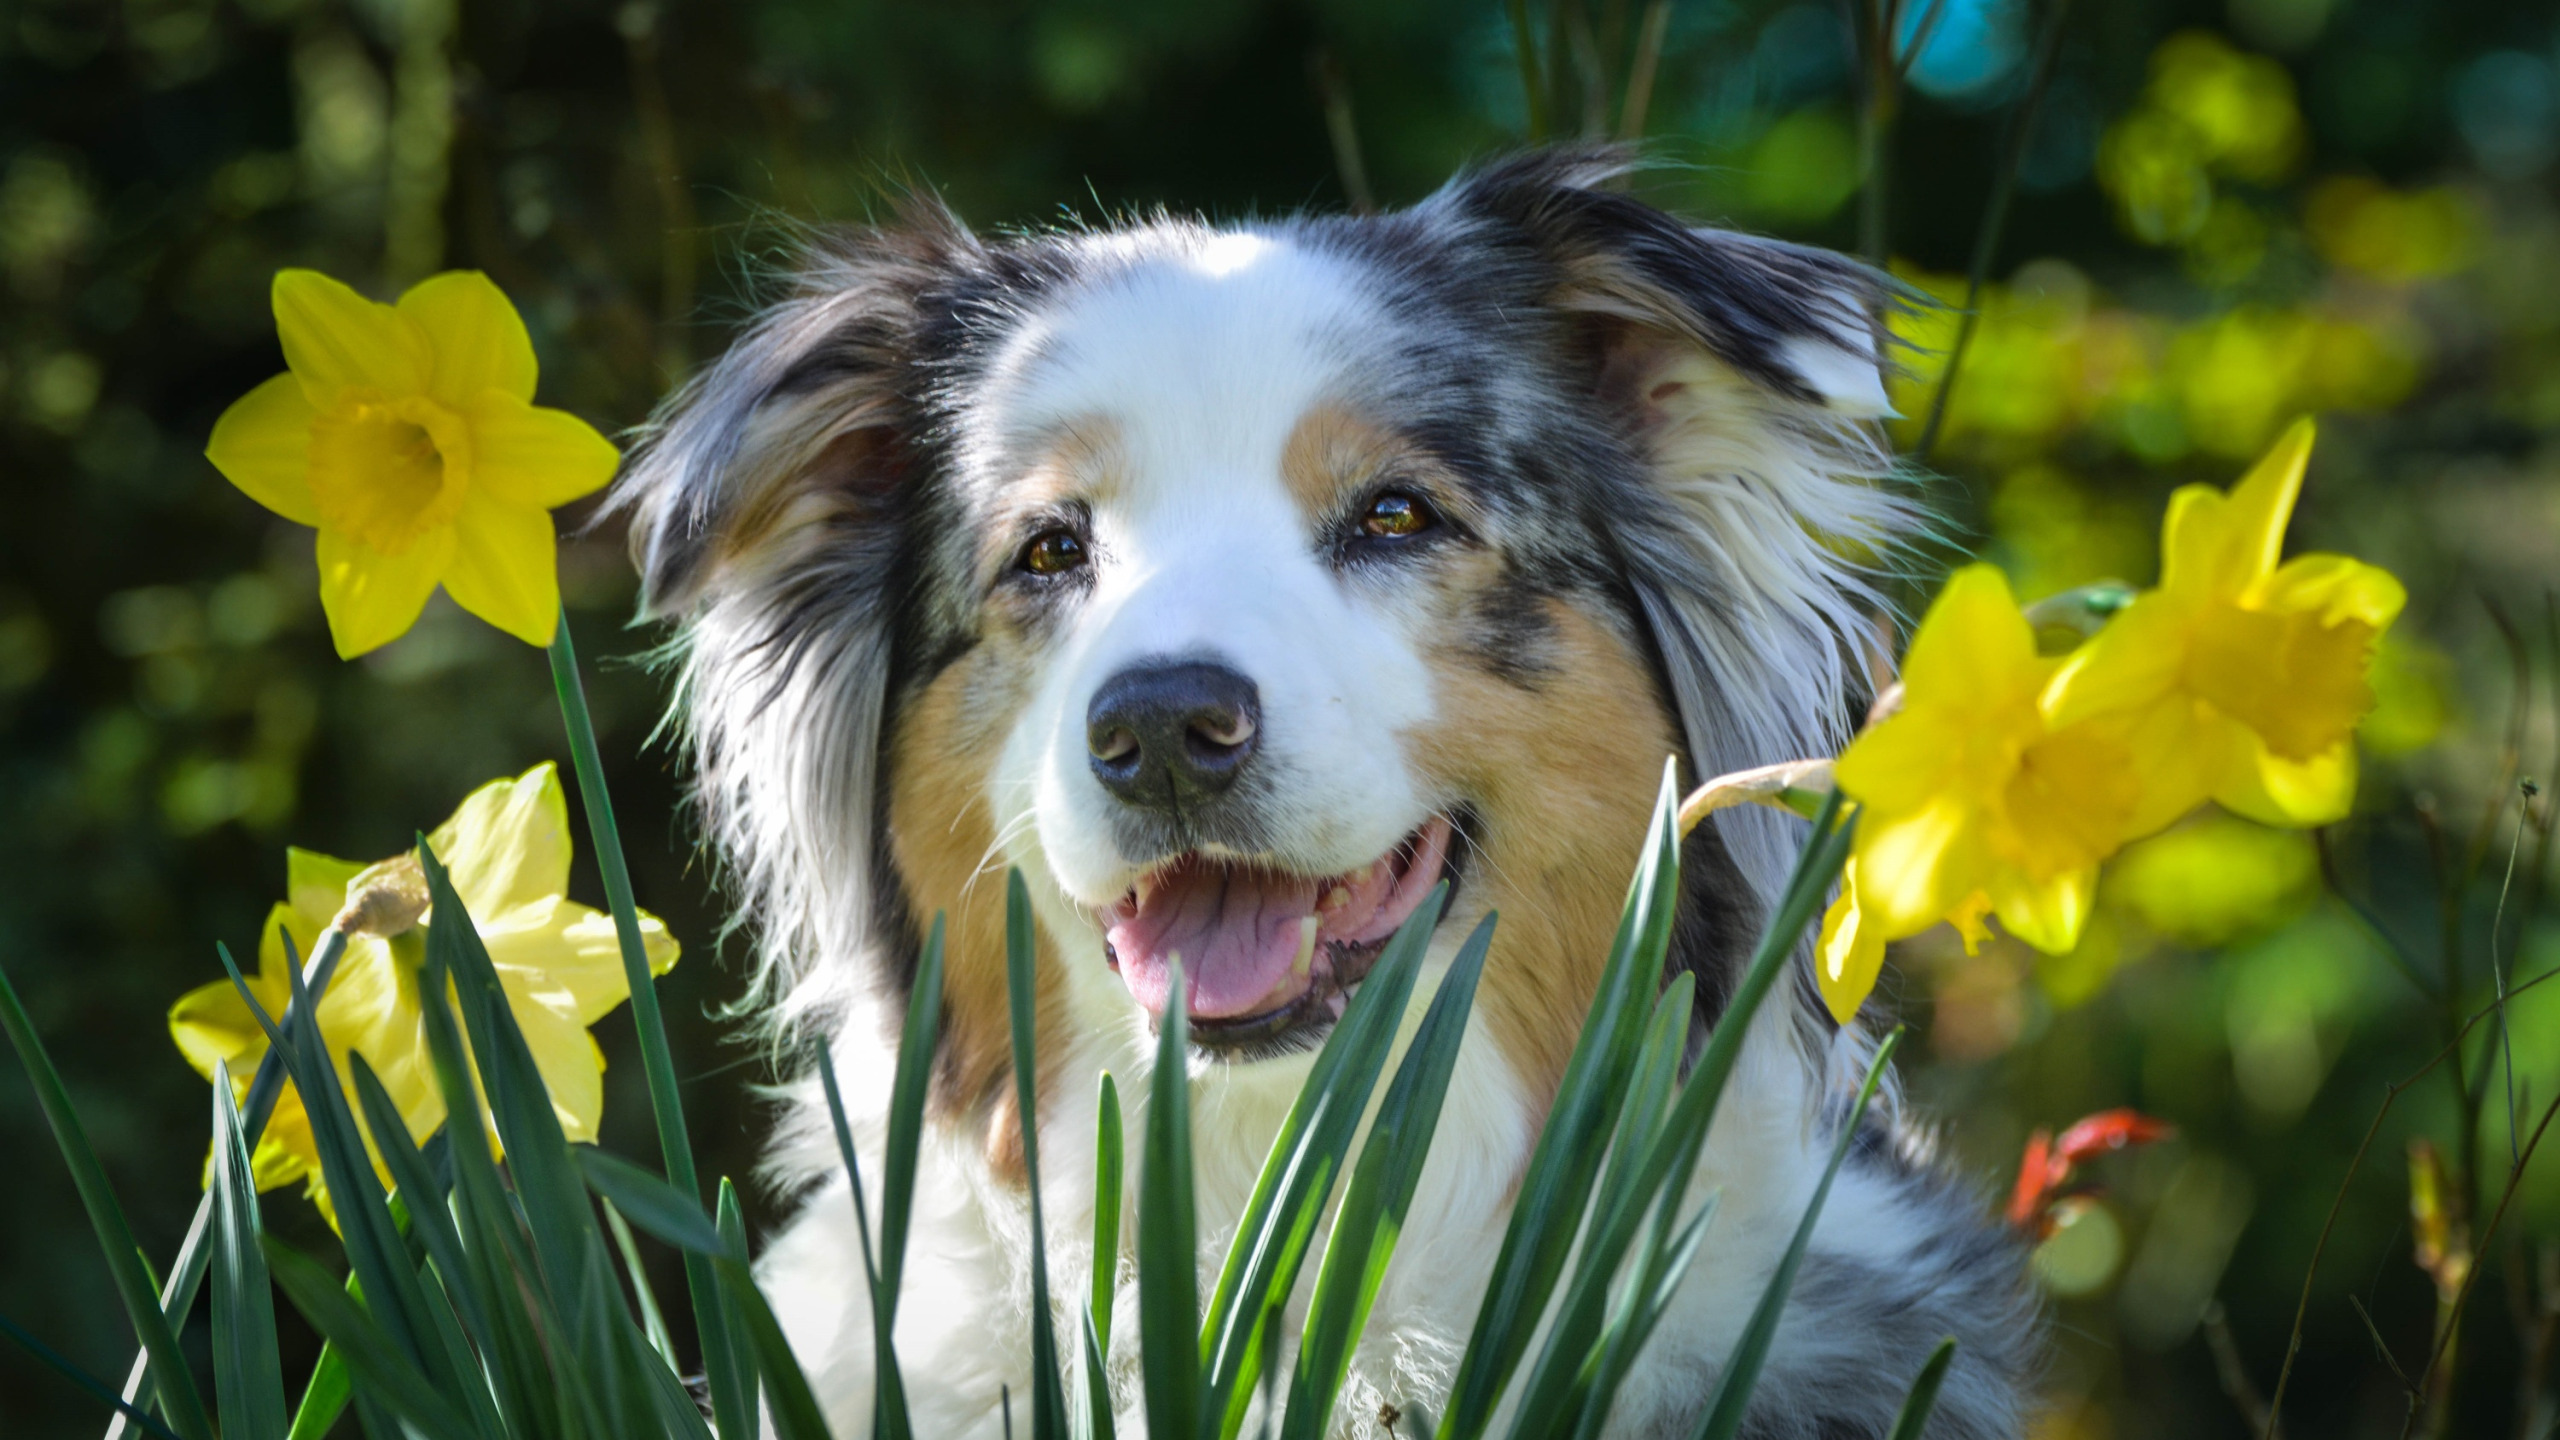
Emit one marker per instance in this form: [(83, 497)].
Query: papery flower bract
[(407, 435), (2239, 679), (560, 963), (1969, 802)]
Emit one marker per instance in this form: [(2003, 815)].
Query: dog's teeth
[(1335, 899), (1304, 965)]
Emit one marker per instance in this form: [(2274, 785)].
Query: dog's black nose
[(1167, 737)]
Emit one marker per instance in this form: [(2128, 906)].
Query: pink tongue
[(1237, 930)]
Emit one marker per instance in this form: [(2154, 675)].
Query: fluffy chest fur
[(1236, 586)]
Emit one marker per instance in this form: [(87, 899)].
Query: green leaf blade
[(248, 1375)]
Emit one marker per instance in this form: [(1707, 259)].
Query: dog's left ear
[(1806, 324), (1745, 376)]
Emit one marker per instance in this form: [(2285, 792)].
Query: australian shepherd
[(1238, 583)]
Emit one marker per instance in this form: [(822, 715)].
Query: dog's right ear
[(800, 432)]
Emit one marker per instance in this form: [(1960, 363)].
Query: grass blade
[(1371, 1220), (1048, 1400), (186, 1273), (1168, 1250), (655, 1205), (376, 1252), (889, 1394), (1107, 1162), (1914, 1415), (324, 1396), (1556, 1187), (739, 1417), (61, 1365), (1723, 1420), (1658, 1275), (381, 1362), (178, 1397), (1093, 1420), (1298, 1174), (917, 1043), (652, 1319), (248, 1376), (1558, 1381), (666, 1104)]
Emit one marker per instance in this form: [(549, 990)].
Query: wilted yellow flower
[(407, 435), (1969, 801), (2239, 680), (508, 849)]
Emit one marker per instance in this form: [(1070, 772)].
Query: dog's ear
[(1745, 376), (801, 427), (768, 500), (1806, 324)]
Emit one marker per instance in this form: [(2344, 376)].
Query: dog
[(1239, 583)]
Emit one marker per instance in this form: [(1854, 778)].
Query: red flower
[(2047, 1165)]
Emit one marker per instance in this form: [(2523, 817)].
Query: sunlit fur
[(1652, 452)]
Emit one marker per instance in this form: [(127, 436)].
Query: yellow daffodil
[(508, 848), (1969, 802), (407, 435), (2239, 679)]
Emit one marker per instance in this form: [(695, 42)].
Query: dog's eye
[(1396, 514), (1053, 552)]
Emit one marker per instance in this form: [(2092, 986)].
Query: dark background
[(2226, 215)]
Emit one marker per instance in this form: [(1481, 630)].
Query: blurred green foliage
[(2226, 214)]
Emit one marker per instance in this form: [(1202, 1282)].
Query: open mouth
[(1265, 952)]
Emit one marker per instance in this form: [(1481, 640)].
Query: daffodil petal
[(2045, 913), (315, 885), (2131, 664), (572, 954), (211, 1022), (531, 455), (2273, 790), (1897, 765), (1973, 641), (477, 338), (273, 983), (2262, 503), (507, 844), (505, 568), (1851, 955), (2177, 747), (334, 338), (262, 444), (1912, 869), (571, 1065), (371, 598)]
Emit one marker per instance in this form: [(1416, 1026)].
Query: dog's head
[(1241, 583)]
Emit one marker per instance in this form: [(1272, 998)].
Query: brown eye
[(1396, 514), (1053, 552)]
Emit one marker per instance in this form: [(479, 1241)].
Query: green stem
[(666, 1107), (1995, 219)]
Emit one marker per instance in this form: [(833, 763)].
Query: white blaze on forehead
[(1203, 348), (1201, 354)]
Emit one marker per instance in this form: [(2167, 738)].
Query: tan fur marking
[(942, 840), (1081, 460), (1331, 451), (1563, 779)]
